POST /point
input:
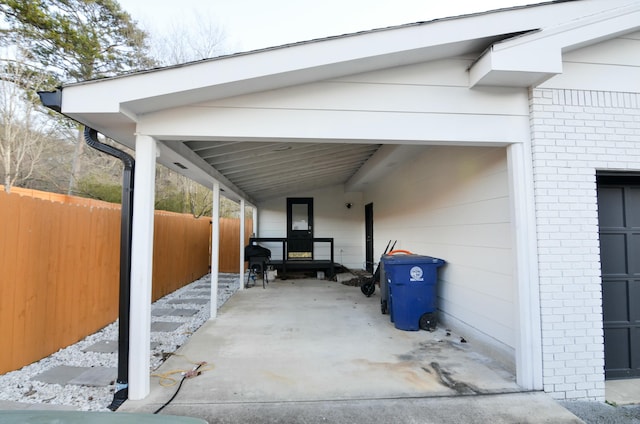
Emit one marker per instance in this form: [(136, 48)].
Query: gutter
[(53, 101)]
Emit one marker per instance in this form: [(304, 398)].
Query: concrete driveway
[(310, 348)]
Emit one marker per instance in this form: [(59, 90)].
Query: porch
[(299, 343)]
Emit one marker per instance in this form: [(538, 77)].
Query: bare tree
[(203, 39), (23, 128), (199, 198)]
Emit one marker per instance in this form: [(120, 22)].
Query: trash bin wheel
[(428, 321), (384, 308), (368, 289)]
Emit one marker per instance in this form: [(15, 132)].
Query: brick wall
[(574, 134)]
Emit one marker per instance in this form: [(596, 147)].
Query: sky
[(254, 24)]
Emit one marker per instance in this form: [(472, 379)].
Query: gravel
[(603, 413), (17, 385)]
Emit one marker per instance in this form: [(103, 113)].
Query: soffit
[(264, 170)]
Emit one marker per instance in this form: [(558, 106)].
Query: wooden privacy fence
[(229, 256), (59, 268)]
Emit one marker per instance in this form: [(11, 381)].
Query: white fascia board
[(530, 59)]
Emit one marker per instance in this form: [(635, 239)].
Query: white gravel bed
[(17, 385)]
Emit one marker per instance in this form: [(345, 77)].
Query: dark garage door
[(619, 219)]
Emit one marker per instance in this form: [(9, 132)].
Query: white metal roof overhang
[(517, 47)]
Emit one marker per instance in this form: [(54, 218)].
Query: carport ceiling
[(266, 170)]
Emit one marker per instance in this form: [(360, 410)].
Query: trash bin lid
[(85, 417), (411, 260)]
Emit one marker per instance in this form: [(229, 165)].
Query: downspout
[(53, 101), (122, 383)]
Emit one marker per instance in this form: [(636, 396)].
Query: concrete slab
[(531, 408), (160, 312), (103, 346), (345, 276), (70, 417), (196, 301), (196, 293), (6, 405), (163, 326), (317, 341), (181, 312), (623, 392), (109, 346), (83, 376), (59, 375), (96, 376)]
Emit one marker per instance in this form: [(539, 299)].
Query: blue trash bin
[(412, 282)]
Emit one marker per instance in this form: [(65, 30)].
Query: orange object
[(406, 252)]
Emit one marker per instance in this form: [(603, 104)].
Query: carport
[(427, 122)]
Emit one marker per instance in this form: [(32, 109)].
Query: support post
[(242, 230), (142, 267), (523, 228), (215, 249), (255, 221)]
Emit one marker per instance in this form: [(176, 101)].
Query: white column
[(141, 267), (242, 230), (215, 249), (255, 221), (523, 224)]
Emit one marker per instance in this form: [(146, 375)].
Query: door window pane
[(299, 217)]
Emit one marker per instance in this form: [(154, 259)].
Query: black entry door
[(368, 230), (619, 220), (300, 228)]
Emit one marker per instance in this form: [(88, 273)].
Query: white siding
[(576, 132), (331, 219), (424, 103), (609, 66), (453, 203), (384, 96)]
